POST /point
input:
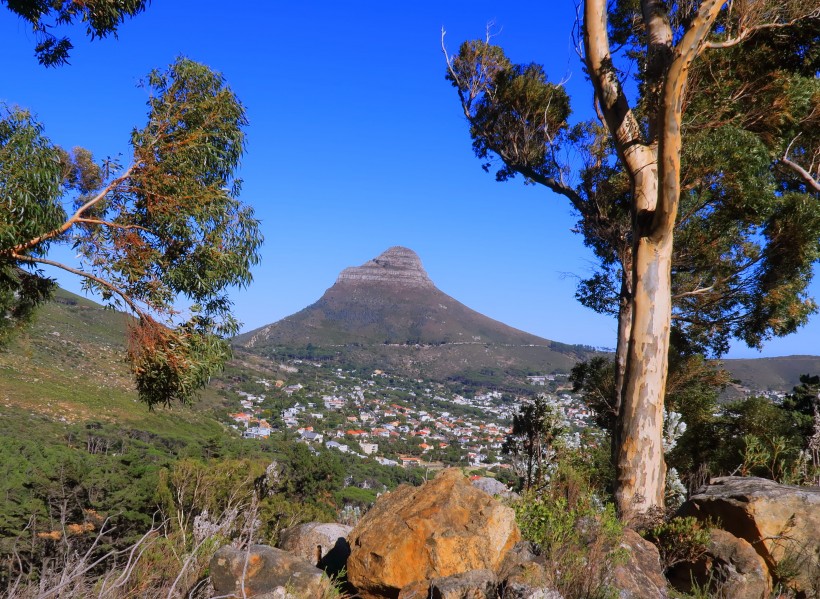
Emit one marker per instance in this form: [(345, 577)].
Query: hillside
[(69, 366), (388, 312), (772, 374)]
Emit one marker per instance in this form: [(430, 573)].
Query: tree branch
[(748, 32), (669, 147), (74, 218), (87, 275), (621, 122), (94, 221), (807, 177)]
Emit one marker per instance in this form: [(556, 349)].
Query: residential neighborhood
[(395, 420)]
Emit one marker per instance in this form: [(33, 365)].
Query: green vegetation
[(690, 190), (577, 533), (679, 540), (102, 18), (166, 229)]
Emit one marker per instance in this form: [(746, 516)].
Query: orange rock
[(442, 528)]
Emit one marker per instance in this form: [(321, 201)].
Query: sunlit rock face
[(397, 266)]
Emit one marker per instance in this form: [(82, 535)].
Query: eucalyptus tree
[(163, 237), (717, 151), (100, 17)]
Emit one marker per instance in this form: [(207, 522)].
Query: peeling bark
[(640, 468), (654, 170)]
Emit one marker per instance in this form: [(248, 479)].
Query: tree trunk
[(640, 467), (622, 347)]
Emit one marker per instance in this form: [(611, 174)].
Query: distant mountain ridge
[(772, 374), (391, 301)]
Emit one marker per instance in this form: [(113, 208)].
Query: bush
[(679, 540), (576, 532)]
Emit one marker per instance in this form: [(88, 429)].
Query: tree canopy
[(698, 192), (101, 18), (167, 229)]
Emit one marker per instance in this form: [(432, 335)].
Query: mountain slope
[(69, 366), (389, 310), (773, 374)]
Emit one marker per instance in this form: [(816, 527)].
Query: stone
[(641, 575), (781, 522), (265, 570), (730, 566), (523, 590), (524, 575), (494, 488), (442, 528), (322, 544), (476, 584)]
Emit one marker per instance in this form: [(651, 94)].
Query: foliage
[(101, 18), (747, 231), (679, 540), (536, 430), (167, 229), (686, 193), (575, 532), (594, 380)]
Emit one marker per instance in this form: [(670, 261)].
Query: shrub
[(679, 540), (576, 532)]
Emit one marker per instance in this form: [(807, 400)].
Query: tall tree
[(101, 18), (535, 430), (164, 237), (733, 183)]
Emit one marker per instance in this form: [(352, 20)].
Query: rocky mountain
[(390, 310)]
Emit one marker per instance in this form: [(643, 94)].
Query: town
[(396, 421)]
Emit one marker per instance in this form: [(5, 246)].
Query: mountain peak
[(396, 266)]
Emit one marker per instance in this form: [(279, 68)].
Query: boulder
[(494, 487), (781, 522), (520, 589), (476, 584), (442, 528), (323, 545), (266, 572), (524, 575), (730, 566), (641, 575)]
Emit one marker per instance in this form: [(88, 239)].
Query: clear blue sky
[(356, 143)]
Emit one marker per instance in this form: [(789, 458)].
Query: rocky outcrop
[(730, 566), (641, 575), (322, 544), (265, 572), (443, 528), (397, 266), (781, 523)]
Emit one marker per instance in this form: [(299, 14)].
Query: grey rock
[(524, 575), (322, 544), (523, 590), (262, 570), (781, 523), (494, 488), (730, 566), (641, 577), (476, 584)]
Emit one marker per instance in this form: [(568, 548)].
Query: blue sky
[(356, 143)]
